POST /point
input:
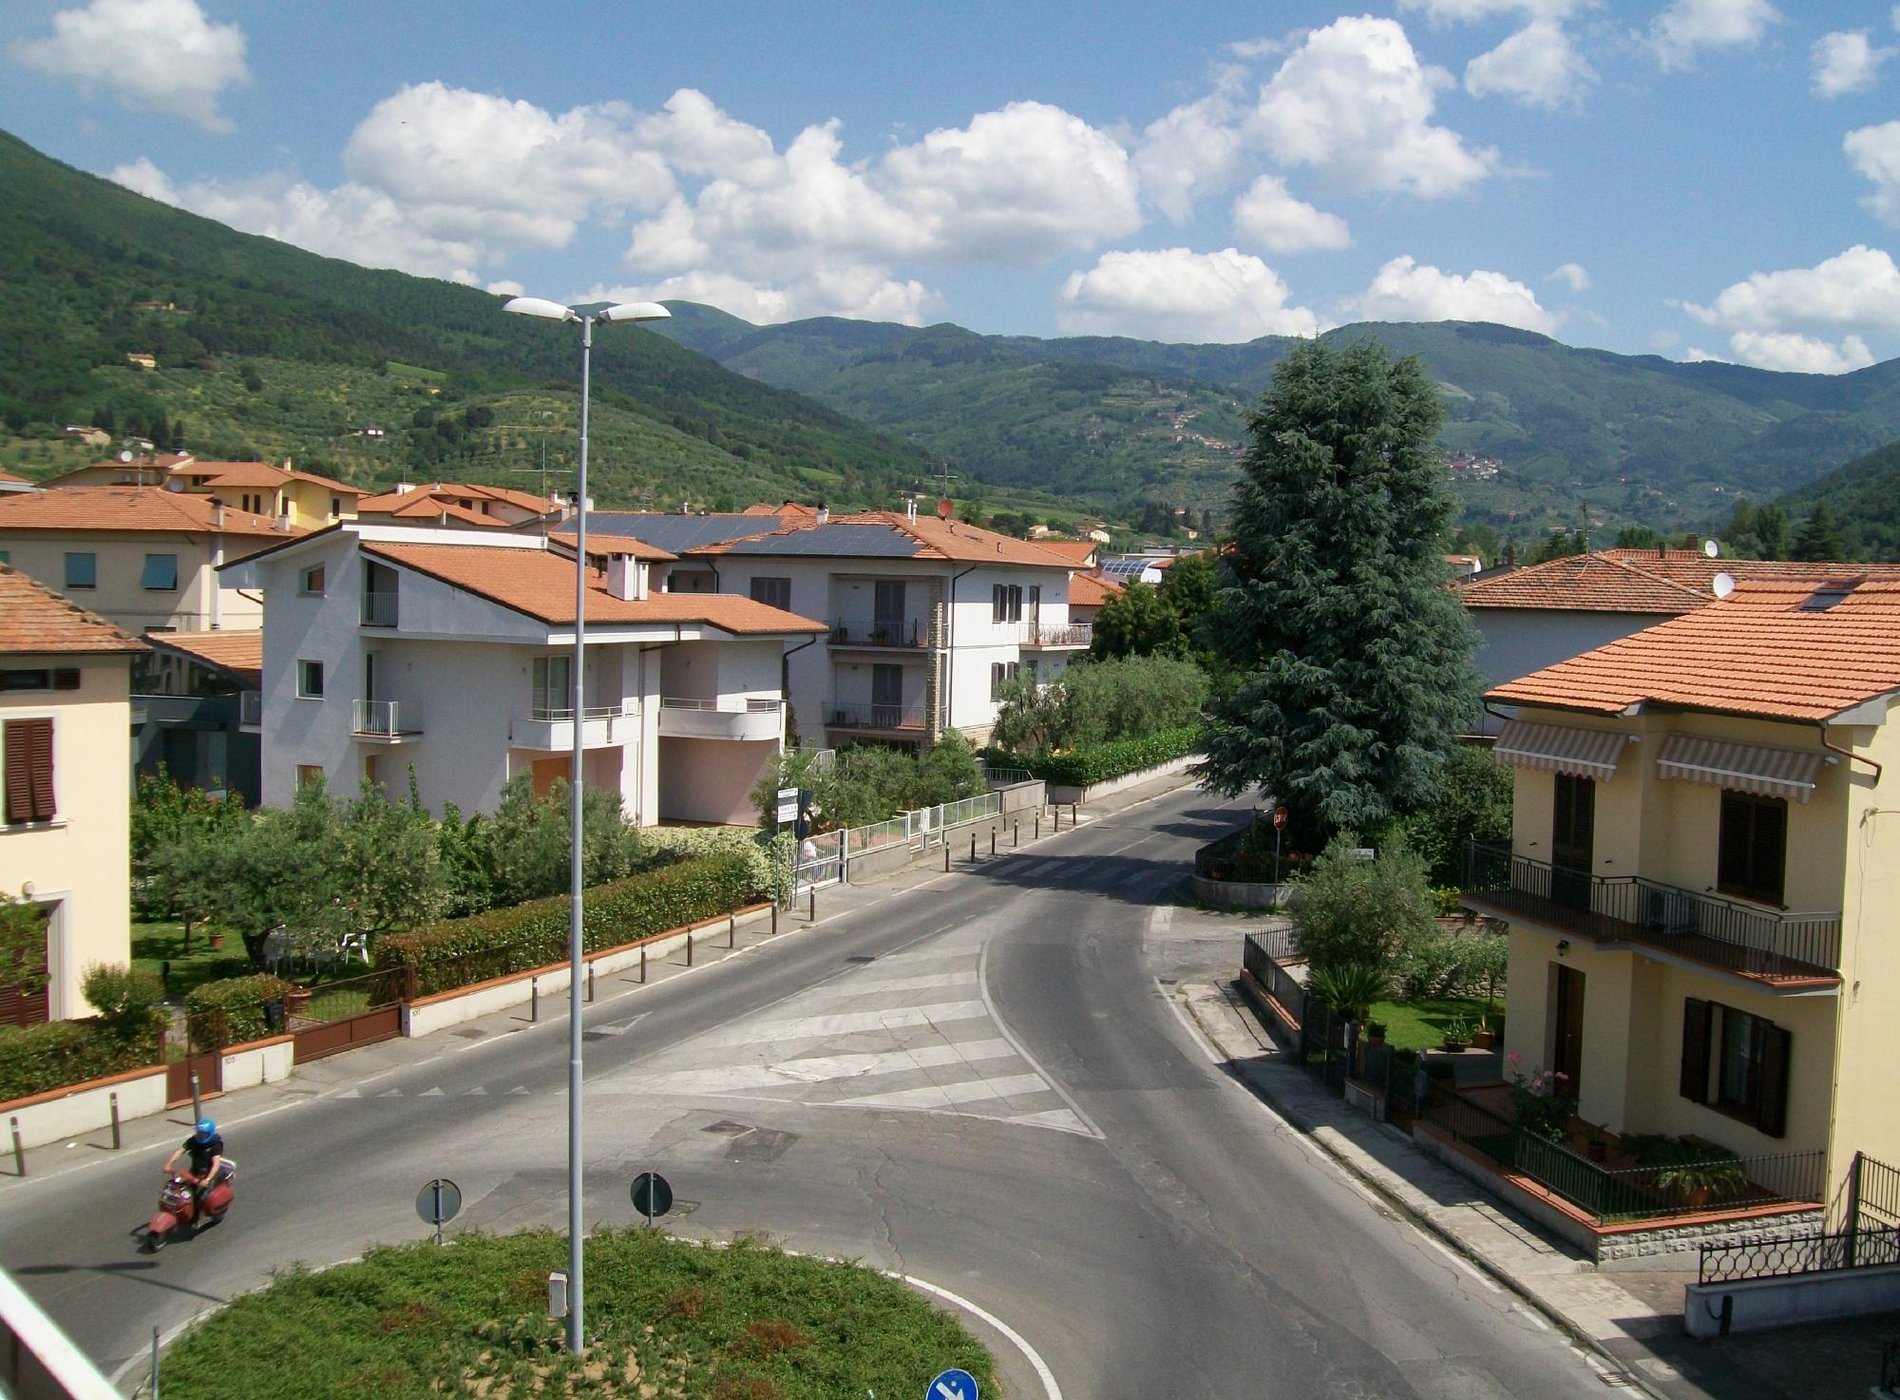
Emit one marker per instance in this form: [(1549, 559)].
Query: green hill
[(1864, 499)]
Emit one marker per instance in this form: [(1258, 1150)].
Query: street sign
[(787, 805), (952, 1385), (1279, 819), (651, 1195), (439, 1202)]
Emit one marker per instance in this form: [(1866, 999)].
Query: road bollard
[(534, 998), (689, 947), (19, 1152), (814, 907), (197, 1104), (946, 857), (775, 918), (992, 841), (590, 981), (1039, 826), (732, 930), (972, 848), (643, 962), (1073, 818), (115, 1122)]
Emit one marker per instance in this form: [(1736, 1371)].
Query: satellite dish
[(125, 456), (1711, 548), (1723, 584)]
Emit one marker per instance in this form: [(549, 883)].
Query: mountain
[(1863, 497), (262, 349), (1539, 432)]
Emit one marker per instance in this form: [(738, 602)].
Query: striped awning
[(1560, 748), (1743, 767)]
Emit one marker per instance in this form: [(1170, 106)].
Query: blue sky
[(1692, 178)]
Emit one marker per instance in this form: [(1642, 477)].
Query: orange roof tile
[(541, 585), (255, 474), (240, 652), (127, 508), (1091, 590), (938, 539), (1771, 648), (1662, 582), (622, 544), (790, 510), (1080, 552), (390, 502), (428, 508), (36, 621)]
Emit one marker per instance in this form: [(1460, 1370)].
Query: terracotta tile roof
[(34, 620), (1660, 582), (429, 509), (1078, 552), (1091, 591), (9, 476), (393, 502), (790, 510), (239, 652), (929, 537), (127, 508), (541, 585), (1778, 649), (601, 543), (255, 474)]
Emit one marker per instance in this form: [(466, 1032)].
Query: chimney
[(824, 512), (910, 509), (626, 578), (217, 513)]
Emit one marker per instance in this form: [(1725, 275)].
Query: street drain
[(862, 958)]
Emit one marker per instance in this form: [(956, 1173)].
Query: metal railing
[(379, 607), (385, 719), (250, 707), (880, 632), (854, 716), (1633, 909), (725, 705), (1798, 1254), (1006, 777), (1053, 634), (562, 714), (917, 828)]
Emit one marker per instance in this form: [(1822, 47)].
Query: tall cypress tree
[(1357, 656)]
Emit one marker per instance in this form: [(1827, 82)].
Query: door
[(1035, 612), (1572, 833), (887, 612), (1566, 1052), (887, 696)]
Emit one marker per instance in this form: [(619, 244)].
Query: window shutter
[(1695, 1050), (1771, 1112), (66, 678), (1732, 859)]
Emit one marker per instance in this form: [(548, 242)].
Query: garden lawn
[(669, 1319), (1421, 1025), (158, 943)]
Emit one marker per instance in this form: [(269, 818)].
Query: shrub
[(1454, 965), (34, 1059), (1115, 759), (458, 952), (231, 1011), (768, 855), (125, 997), (1347, 910), (1349, 988)]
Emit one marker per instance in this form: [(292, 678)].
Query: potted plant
[(1595, 1145), (1457, 1034), (1699, 1181), (1482, 1036), (297, 998)]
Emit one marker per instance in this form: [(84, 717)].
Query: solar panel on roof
[(675, 533), (854, 541)]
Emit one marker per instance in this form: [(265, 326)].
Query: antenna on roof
[(1712, 549), (1722, 584)]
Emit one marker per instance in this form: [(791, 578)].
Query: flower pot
[(1596, 1151), (217, 941), (1483, 1040), (297, 1000), (1453, 1046)]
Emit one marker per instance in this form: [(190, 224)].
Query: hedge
[(34, 1059), (1101, 762), (458, 952), (768, 854), (231, 1010)]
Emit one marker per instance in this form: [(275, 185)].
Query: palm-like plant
[(1349, 988)]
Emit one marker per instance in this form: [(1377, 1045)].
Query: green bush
[(231, 1011), (125, 997), (458, 952), (1347, 910), (34, 1059), (1118, 757), (768, 855), (1454, 965)]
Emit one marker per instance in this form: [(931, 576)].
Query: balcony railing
[(1053, 635), (733, 717), (1735, 937), (385, 719), (849, 716), (879, 632), (550, 728), (379, 607)]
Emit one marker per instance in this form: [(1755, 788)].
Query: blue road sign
[(952, 1385)]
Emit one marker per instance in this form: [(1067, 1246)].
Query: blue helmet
[(206, 1130)]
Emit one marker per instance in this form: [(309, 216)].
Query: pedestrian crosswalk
[(911, 1032)]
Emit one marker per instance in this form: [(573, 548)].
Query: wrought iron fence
[(880, 632), (1798, 1254)]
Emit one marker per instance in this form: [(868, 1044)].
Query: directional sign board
[(787, 806), (952, 1385)]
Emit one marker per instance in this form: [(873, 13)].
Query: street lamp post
[(587, 316)]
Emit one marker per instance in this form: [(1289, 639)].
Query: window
[(308, 773), (1001, 671), (1752, 861), (1737, 1063), (26, 680), (161, 572), (82, 570), (310, 582), (773, 592), (336, 508), (553, 686), (6, 556), (27, 755), (1006, 602), (309, 680)]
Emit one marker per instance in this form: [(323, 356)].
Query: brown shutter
[(40, 749), (1771, 1110), (1695, 1050), (19, 771)]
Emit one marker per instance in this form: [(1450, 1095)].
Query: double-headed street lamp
[(587, 315)]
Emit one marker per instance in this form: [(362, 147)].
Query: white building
[(394, 648), (925, 618)]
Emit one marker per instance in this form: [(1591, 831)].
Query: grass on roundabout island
[(670, 1319)]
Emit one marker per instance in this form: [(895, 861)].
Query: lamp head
[(635, 311), (540, 306)]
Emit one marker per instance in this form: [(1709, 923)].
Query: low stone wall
[(1020, 797), (1238, 894), (868, 867), (59, 1115), (260, 1062), (1757, 1303), (1064, 794)]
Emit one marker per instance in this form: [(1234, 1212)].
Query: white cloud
[(1464, 11), (1689, 25), (1857, 290), (1572, 275), (1192, 150), (1796, 354), (1271, 218), (153, 55), (1846, 62), (861, 292), (1538, 66), (1354, 101), (1176, 294), (1407, 290), (1875, 153)]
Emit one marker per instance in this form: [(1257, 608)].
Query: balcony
[(909, 720), (379, 607), (386, 721), (547, 729), (1779, 948), (1052, 636), (880, 632), (742, 717)]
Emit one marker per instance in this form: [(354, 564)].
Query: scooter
[(178, 1217)]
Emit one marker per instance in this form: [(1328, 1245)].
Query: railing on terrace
[(379, 607), (1798, 1254), (880, 632), (1006, 777), (853, 716), (731, 705), (385, 719), (250, 707), (1054, 634), (1631, 909), (1261, 956), (1622, 1193), (562, 714)]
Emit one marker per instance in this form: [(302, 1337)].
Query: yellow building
[(300, 500), (1703, 885), (65, 720)]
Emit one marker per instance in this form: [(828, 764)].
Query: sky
[(1699, 179)]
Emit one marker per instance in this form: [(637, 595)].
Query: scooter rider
[(207, 1161)]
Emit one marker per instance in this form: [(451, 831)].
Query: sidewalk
[(1630, 1321)]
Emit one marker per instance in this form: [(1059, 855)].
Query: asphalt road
[(979, 1080)]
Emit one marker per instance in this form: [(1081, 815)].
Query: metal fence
[(1798, 1254)]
